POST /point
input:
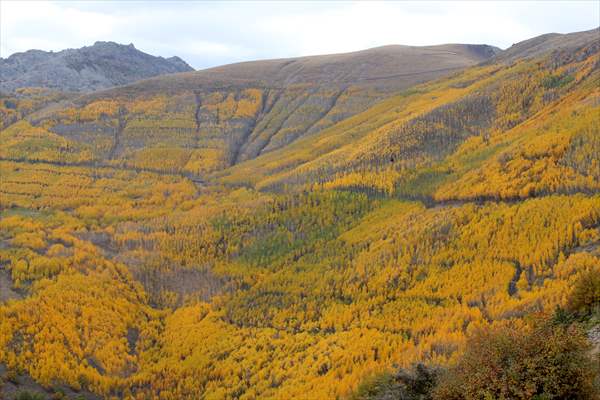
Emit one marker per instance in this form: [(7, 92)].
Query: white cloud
[(207, 34), (50, 26)]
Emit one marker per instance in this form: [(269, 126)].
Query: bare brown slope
[(396, 65), (543, 44), (386, 68)]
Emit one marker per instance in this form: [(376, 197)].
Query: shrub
[(544, 361), (58, 394), (412, 384), (26, 395), (12, 377), (585, 297), (376, 387), (554, 81)]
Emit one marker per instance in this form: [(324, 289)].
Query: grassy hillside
[(249, 242)]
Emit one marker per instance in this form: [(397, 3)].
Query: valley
[(295, 228)]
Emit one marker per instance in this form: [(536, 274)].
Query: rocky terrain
[(103, 65)]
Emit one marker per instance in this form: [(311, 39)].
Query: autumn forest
[(273, 232)]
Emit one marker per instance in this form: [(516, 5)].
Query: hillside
[(247, 232), (205, 121), (100, 66), (540, 45), (386, 68)]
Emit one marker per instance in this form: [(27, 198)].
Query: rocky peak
[(100, 66)]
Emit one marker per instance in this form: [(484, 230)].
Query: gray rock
[(103, 65)]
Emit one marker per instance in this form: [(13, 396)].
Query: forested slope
[(205, 121), (154, 252)]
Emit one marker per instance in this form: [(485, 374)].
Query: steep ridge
[(246, 109), (100, 66)]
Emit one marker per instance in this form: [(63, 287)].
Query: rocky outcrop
[(103, 65)]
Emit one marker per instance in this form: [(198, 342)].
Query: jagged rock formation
[(103, 65)]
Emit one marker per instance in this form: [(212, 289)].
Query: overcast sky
[(207, 34)]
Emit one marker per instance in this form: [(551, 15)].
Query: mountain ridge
[(383, 63), (232, 113), (541, 44), (99, 66)]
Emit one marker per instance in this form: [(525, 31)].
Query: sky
[(207, 34)]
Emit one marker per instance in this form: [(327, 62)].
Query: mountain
[(103, 65), (281, 229), (208, 120)]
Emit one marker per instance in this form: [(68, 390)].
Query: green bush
[(554, 81), (26, 395)]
